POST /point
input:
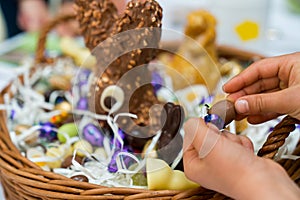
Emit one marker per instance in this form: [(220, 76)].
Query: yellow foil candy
[(161, 177), (83, 145), (57, 156)]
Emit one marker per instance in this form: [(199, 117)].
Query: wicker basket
[(22, 179)]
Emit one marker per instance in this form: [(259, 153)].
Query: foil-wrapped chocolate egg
[(82, 103), (80, 178), (112, 166), (56, 154), (67, 130), (82, 147), (93, 135), (63, 106), (225, 110), (47, 132)]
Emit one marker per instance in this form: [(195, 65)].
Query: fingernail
[(242, 106)]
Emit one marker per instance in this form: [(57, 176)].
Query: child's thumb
[(261, 103)]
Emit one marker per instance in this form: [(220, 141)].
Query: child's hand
[(226, 163), (267, 89)]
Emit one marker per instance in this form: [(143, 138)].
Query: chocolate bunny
[(123, 46)]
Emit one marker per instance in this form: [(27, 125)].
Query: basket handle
[(277, 138), (41, 45)]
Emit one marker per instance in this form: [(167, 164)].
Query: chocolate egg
[(93, 135), (224, 109), (80, 178), (68, 161)]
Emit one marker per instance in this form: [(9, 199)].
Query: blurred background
[(276, 21), (274, 24)]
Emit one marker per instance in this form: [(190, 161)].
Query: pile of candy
[(50, 123)]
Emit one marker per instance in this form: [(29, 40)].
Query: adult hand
[(226, 163), (267, 88), (32, 15)]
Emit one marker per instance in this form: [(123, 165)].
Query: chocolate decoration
[(96, 20), (224, 109), (99, 21), (171, 141), (109, 102), (80, 178)]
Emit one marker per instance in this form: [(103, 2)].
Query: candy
[(161, 177), (47, 131), (82, 56), (179, 181), (157, 81), (158, 174), (36, 152), (60, 82), (112, 166), (151, 154), (56, 154), (68, 161), (69, 129), (215, 119), (65, 150), (82, 104), (82, 147), (100, 154), (225, 110), (63, 106), (93, 135), (80, 178), (139, 179)]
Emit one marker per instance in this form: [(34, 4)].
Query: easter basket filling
[(104, 120)]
